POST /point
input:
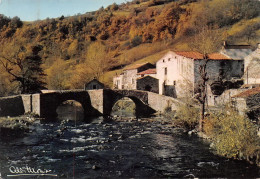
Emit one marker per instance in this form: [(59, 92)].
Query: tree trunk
[(201, 117)]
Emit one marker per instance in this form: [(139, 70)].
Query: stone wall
[(97, 99), (160, 103), (227, 69), (240, 105), (31, 103), (148, 83), (11, 106), (226, 97)]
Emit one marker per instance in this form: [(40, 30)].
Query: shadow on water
[(70, 110)]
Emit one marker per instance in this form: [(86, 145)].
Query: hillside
[(121, 35)]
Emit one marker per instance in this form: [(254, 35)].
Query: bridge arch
[(51, 101), (70, 109), (138, 97)]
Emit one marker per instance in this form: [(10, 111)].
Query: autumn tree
[(58, 75), (207, 39), (98, 58), (24, 65)]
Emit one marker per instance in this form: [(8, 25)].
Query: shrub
[(137, 40), (187, 116), (233, 135)]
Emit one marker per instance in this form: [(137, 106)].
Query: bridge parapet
[(160, 102), (94, 102)]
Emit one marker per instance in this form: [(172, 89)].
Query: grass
[(122, 13), (242, 25)]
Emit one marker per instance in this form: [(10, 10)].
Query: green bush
[(187, 116), (233, 136)]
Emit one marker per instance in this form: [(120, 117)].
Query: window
[(174, 83), (94, 86), (165, 71), (169, 59), (163, 61)]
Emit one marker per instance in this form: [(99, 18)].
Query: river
[(114, 149)]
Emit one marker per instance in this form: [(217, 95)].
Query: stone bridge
[(94, 102)]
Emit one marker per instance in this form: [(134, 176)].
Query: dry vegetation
[(126, 33)]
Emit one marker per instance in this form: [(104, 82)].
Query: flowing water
[(114, 149)]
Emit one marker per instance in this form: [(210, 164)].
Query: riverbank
[(230, 135), (15, 126)]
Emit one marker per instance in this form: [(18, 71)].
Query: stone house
[(150, 72), (178, 72), (118, 81), (248, 102), (148, 83), (127, 80), (252, 68), (236, 52), (94, 85)]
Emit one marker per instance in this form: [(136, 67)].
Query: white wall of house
[(175, 70), (118, 82), (129, 79), (252, 67)]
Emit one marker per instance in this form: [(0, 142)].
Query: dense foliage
[(129, 32), (233, 136)]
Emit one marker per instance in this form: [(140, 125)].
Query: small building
[(248, 102), (236, 52), (148, 83), (127, 80), (178, 72), (252, 68), (150, 72), (118, 81), (94, 85)]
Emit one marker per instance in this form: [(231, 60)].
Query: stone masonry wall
[(11, 106), (142, 83), (96, 98), (229, 68), (226, 96), (160, 102)]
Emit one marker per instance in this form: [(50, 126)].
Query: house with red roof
[(178, 71), (248, 102), (150, 72), (128, 79)]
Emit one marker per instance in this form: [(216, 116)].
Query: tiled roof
[(218, 56), (248, 93), (135, 66), (149, 71), (244, 46), (199, 56), (146, 77), (193, 55)]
